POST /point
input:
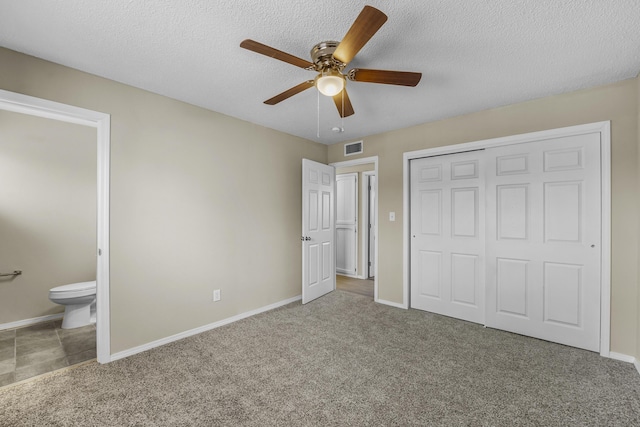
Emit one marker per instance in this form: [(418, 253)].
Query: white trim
[(604, 128), (201, 329), (391, 303), (406, 215), (622, 357), (32, 321), (364, 161), (19, 103), (605, 275), (365, 222)]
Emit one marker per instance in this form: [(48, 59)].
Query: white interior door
[(347, 223), (447, 236), (543, 239), (318, 230)]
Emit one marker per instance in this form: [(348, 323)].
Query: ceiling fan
[(330, 59)]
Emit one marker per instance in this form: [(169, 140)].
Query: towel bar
[(15, 273)]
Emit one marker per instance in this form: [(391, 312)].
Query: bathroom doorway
[(100, 122), (48, 227)]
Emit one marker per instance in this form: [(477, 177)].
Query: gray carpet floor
[(341, 360)]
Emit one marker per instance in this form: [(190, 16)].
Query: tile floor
[(45, 347)]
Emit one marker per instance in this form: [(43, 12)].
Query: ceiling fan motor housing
[(322, 56)]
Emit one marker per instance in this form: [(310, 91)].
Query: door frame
[(604, 128), (364, 161), (18, 103), (366, 196)]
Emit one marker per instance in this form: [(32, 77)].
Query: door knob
[(307, 238)]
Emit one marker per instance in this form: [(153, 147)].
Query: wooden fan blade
[(263, 49), (363, 28), (402, 78), (290, 92), (348, 108)]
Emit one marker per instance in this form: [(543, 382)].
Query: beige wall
[(183, 217), (616, 102), (47, 211), (199, 201), (361, 225)]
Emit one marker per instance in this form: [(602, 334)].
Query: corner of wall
[(638, 195)]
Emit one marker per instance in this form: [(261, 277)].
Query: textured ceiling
[(474, 55)]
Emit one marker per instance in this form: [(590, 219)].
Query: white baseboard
[(199, 330), (32, 321), (622, 357), (626, 358), (391, 303)]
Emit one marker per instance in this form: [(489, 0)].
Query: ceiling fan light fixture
[(330, 58), (330, 82)]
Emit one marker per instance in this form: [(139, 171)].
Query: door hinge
[(369, 263)]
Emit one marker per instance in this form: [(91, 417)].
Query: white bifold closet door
[(540, 242), (347, 223), (447, 236), (543, 239)]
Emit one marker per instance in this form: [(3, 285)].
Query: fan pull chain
[(318, 133)]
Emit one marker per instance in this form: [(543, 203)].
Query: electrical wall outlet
[(216, 295)]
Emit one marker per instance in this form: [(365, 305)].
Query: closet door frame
[(604, 128)]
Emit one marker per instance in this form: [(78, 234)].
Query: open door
[(318, 230)]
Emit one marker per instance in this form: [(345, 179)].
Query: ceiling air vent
[(353, 148)]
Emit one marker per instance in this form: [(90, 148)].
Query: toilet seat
[(74, 290)]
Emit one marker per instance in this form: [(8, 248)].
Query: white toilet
[(79, 300)]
